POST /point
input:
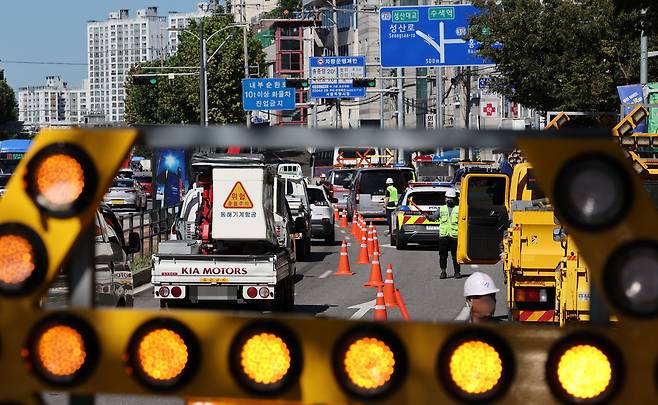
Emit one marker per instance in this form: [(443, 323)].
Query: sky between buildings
[(55, 31)]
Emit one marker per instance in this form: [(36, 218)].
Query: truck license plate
[(117, 202), (432, 227)]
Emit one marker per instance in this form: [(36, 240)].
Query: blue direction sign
[(423, 36), (331, 76), (267, 94)]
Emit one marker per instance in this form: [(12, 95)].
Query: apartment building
[(54, 104)]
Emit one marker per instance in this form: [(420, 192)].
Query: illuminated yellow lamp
[(265, 358), (369, 363), (584, 371), (475, 367)]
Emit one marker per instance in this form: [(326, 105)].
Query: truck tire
[(394, 239), (284, 296), (307, 248), (400, 245), (331, 238), (300, 249)]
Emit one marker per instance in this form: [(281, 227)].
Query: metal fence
[(152, 226)]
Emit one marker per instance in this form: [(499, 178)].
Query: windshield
[(123, 184), (374, 181), (294, 188), (4, 180), (316, 196), (342, 178)]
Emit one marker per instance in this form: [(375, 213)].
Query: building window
[(291, 61), (290, 45)]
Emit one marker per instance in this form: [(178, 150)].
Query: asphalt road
[(416, 271)]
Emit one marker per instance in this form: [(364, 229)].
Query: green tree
[(559, 54), (8, 106), (177, 101), (285, 9)]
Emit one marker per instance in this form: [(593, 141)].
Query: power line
[(29, 62)]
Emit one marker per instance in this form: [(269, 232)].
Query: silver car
[(322, 214), (125, 193), (4, 179)]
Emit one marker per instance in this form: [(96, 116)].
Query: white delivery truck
[(232, 239)]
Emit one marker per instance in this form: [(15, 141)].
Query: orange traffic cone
[(403, 307), (375, 273), (344, 263), (355, 225), (343, 219), (336, 214), (380, 307), (389, 288), (369, 241), (363, 253), (359, 229), (375, 241)]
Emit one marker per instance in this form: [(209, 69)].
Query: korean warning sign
[(238, 198)]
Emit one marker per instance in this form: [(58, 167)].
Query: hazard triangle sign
[(238, 197)]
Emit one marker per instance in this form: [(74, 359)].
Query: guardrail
[(152, 226)]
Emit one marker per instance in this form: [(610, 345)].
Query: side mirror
[(334, 200), (134, 243)]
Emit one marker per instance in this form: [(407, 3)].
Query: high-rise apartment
[(113, 47)]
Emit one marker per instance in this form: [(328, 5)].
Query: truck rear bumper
[(196, 293)]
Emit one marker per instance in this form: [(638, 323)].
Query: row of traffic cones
[(387, 295)]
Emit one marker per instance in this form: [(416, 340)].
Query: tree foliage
[(560, 54), (177, 101), (8, 106), (285, 9)]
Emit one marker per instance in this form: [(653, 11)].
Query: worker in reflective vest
[(448, 217), (390, 201)]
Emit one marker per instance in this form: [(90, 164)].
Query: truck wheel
[(331, 239), (307, 248), (394, 239), (284, 295), (290, 296), (401, 245), (300, 249)]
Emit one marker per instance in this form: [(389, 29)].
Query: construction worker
[(390, 201), (324, 183), (448, 216), (480, 294)]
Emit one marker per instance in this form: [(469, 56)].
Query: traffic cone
[(363, 253), (369, 241), (359, 228), (336, 214), (355, 225), (343, 219), (403, 307), (380, 306), (375, 273), (344, 263), (389, 288), (375, 242)]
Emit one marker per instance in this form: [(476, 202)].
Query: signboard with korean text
[(424, 36), (331, 76), (267, 95)]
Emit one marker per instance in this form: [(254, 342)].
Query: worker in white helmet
[(448, 217), (480, 294), (390, 201)]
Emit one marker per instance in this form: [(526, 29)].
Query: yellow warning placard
[(238, 197)]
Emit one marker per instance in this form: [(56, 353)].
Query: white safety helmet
[(323, 176), (479, 283), (451, 193), (389, 181)]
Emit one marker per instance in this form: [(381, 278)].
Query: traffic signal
[(145, 80), (51, 197), (297, 83), (605, 208), (364, 83)]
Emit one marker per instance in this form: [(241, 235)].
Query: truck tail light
[(264, 292), (163, 291), (176, 292), (252, 292), (531, 295)]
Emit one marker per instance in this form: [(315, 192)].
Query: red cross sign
[(489, 109)]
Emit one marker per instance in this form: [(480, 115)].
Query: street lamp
[(203, 68)]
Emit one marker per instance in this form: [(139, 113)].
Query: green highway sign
[(405, 16), (441, 13)]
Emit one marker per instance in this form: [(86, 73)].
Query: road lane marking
[(362, 309), (142, 288), (385, 245), (326, 274)]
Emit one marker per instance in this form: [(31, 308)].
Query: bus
[(11, 152)]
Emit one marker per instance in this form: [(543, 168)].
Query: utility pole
[(439, 97), (339, 117), (245, 49), (644, 53), (203, 76)]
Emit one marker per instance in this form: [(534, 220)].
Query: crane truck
[(232, 241)]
